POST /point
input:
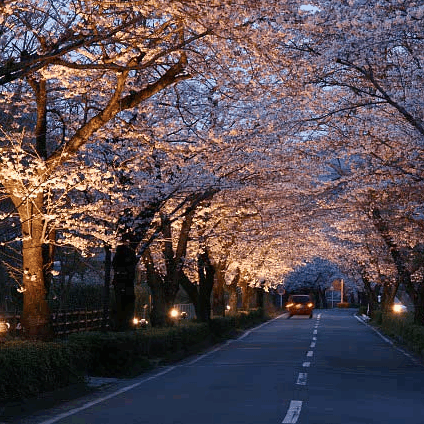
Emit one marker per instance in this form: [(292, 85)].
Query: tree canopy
[(267, 132)]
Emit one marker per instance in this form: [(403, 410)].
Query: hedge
[(29, 368), (130, 353)]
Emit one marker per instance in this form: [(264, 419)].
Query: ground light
[(174, 313), (140, 322), (399, 308)]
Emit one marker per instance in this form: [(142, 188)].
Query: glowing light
[(4, 326), (174, 313), (398, 308)]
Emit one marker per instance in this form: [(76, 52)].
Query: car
[(300, 304)]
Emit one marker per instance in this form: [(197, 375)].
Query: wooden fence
[(63, 322)]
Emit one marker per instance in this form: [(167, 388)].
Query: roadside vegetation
[(30, 368), (402, 329)]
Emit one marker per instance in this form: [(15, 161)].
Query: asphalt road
[(325, 370)]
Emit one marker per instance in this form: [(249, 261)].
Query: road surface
[(329, 369)]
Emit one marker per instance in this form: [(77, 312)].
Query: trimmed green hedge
[(401, 328), (29, 368), (129, 353)]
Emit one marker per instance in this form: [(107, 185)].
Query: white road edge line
[(315, 332), (132, 386), (313, 344), (415, 361), (310, 353), (306, 364), (102, 399), (293, 413)]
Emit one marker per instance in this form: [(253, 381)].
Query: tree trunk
[(206, 273), (124, 264), (404, 276), (106, 289), (192, 292), (232, 289), (158, 313), (418, 300), (245, 298), (173, 262), (322, 298), (371, 297), (218, 298), (35, 314)]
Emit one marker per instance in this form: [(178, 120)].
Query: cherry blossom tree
[(74, 68)]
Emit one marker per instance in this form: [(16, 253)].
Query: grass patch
[(402, 329)]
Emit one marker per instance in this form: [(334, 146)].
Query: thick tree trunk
[(35, 314), (124, 264), (158, 314)]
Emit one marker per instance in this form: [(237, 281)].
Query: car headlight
[(310, 305)]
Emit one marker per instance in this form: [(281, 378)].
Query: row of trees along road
[(205, 136)]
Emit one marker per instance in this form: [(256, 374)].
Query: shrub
[(28, 368), (130, 353), (377, 317), (403, 329)]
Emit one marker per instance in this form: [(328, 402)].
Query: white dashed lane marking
[(302, 378), (293, 413), (296, 405)]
